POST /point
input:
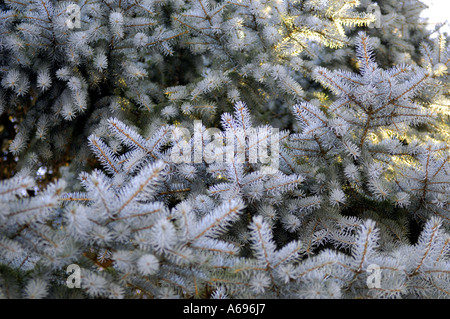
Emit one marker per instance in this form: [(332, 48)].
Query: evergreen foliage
[(223, 149)]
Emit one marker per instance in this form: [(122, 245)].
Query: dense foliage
[(223, 149)]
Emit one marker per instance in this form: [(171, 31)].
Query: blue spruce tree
[(223, 149)]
